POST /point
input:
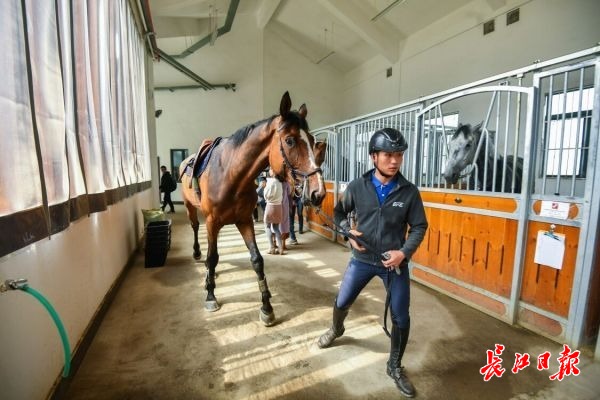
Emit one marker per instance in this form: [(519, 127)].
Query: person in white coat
[(273, 212)]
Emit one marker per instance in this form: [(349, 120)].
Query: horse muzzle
[(316, 198), (451, 178)]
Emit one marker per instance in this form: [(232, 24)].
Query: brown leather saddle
[(196, 166)]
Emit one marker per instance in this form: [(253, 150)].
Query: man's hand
[(353, 242), (396, 258)]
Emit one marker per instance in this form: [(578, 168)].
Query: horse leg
[(212, 259), (266, 314), (192, 213)]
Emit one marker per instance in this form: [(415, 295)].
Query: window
[(177, 157), (567, 132)]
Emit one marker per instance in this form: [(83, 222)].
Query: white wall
[(192, 115), (263, 68), (454, 51), (317, 86), (74, 270)]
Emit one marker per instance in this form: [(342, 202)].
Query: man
[(296, 208), (167, 185), (260, 201), (384, 204)]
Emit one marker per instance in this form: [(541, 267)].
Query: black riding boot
[(394, 367), (337, 329)]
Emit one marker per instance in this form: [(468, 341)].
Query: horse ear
[(457, 131), (303, 111), (286, 104)]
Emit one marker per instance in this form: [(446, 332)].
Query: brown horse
[(228, 189)]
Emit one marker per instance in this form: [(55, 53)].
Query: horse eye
[(468, 146), (290, 141)]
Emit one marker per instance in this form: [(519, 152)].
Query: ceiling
[(341, 34)]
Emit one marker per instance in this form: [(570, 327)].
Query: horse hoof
[(267, 319), (197, 256), (211, 306)]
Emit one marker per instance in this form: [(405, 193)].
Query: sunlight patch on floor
[(238, 289), (332, 371), (327, 273), (314, 263), (360, 328), (229, 310), (294, 255)]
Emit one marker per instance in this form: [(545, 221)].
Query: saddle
[(197, 164)]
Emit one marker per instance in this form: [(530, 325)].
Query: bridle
[(295, 171)]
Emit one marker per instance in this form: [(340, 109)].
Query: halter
[(287, 163), (472, 165)]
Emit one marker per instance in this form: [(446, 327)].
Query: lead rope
[(337, 228), (387, 306)]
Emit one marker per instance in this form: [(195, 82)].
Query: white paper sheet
[(555, 209), (550, 249)]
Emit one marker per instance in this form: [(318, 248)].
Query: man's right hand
[(353, 242)]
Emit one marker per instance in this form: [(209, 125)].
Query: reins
[(342, 231)]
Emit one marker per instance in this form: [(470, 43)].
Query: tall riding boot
[(395, 369), (337, 329)]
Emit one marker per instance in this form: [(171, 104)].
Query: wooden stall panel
[(543, 286), (315, 222), (503, 204), (475, 249)]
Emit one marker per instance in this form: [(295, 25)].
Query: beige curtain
[(73, 110), (20, 185)]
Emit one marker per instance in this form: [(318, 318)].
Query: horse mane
[(292, 118), (240, 136)]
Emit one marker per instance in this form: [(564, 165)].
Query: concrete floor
[(157, 342)]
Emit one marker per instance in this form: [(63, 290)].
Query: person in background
[(167, 185), (296, 208), (284, 227), (390, 217), (273, 193), (260, 201)]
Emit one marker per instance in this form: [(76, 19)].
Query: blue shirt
[(382, 189)]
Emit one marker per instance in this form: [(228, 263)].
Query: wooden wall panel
[(475, 249), (546, 287), (315, 222), (504, 204)]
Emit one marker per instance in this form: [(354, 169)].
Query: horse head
[(292, 151), (461, 151)]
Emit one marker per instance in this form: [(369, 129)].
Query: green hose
[(59, 325)]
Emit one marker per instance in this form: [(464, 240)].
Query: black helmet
[(389, 140)]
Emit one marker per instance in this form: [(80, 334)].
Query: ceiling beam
[(265, 12), (298, 42), (386, 41), (496, 4)]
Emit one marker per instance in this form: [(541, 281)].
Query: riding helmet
[(389, 140)]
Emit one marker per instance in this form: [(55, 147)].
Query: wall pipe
[(233, 5), (21, 284), (150, 36), (180, 87)]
